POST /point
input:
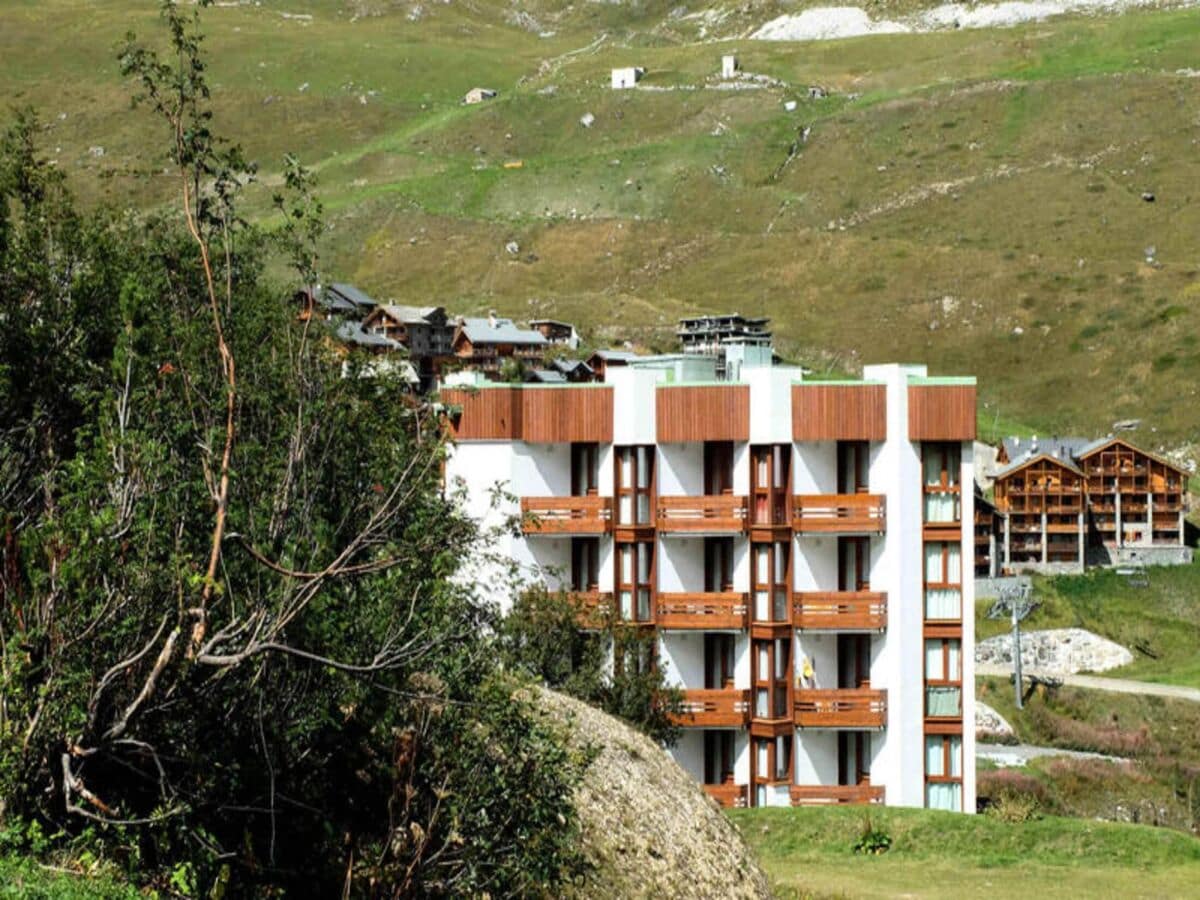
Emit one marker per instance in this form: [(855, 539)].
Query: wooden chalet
[(1135, 498), (1042, 498), (484, 344)]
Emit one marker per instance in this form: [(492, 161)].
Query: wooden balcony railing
[(836, 794), (594, 607), (839, 513), (729, 796), (840, 610), (843, 708), (566, 515), (702, 611), (721, 708), (715, 513)]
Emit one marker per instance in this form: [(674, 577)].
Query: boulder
[(648, 828), (1057, 651), (990, 725)]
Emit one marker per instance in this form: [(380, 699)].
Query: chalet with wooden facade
[(1076, 502), (483, 344), (797, 548)]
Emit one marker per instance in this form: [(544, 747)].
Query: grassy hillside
[(942, 855), (1159, 622), (971, 199)]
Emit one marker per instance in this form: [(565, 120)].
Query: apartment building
[(797, 548), (1070, 503)]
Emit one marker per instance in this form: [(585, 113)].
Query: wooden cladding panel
[(537, 415), (708, 413), (489, 415), (555, 415), (941, 412), (839, 412)]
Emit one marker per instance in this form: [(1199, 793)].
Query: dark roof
[(352, 333), (567, 366), (348, 296), (535, 322), (482, 331), (545, 376), (1021, 463), (1100, 444), (618, 356)]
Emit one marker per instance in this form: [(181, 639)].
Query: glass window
[(945, 795), (935, 756)]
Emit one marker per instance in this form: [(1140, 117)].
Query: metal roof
[(352, 332), (352, 295), (482, 331)]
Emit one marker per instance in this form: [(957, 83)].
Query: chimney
[(491, 318)]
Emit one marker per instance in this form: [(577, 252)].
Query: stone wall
[(990, 588), (1058, 651)]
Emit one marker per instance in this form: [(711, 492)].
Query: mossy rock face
[(648, 828)]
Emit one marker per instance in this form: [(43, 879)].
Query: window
[(585, 465), (943, 580), (772, 761), (635, 573), (585, 564), (718, 564), (941, 464), (854, 560), (943, 771), (770, 581), (718, 467), (853, 463), (634, 484), (772, 672), (769, 484), (943, 678)]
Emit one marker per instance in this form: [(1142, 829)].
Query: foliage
[(872, 840), (541, 637), (235, 654)]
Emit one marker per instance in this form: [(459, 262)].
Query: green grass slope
[(971, 199), (808, 852)]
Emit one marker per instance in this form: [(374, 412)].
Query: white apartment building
[(801, 549)]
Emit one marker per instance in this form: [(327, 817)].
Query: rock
[(1018, 330), (790, 105), (587, 120), (1148, 196), (648, 828), (1058, 651), (990, 725), (513, 247), (96, 152), (304, 87)]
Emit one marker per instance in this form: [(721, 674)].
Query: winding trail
[(1017, 755), (1100, 683)]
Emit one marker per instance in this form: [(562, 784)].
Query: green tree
[(607, 663), (235, 654)]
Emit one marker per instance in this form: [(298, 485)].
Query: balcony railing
[(843, 708), (566, 515), (721, 708), (840, 610), (836, 794), (728, 796), (718, 513), (701, 610), (839, 513)]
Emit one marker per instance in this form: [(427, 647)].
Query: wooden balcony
[(729, 796), (715, 514), (836, 794), (703, 611), (842, 708), (839, 513), (721, 708), (566, 515), (840, 610)]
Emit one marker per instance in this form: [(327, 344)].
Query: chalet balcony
[(705, 515), (720, 708), (836, 794), (840, 610), (841, 708), (839, 513), (566, 515), (702, 611), (729, 796)]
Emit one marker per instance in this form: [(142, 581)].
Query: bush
[(872, 840)]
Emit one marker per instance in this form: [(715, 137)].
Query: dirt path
[(1100, 683)]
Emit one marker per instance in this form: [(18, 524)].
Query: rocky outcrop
[(990, 725), (1058, 651), (648, 828)]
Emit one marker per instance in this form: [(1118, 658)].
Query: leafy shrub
[(872, 839)]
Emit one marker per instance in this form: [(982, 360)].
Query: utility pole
[(1017, 598)]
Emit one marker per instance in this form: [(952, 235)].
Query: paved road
[(1100, 683), (1008, 755)]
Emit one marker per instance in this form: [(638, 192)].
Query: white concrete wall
[(541, 470), (821, 651), (741, 662), (680, 565), (741, 469), (682, 658), (681, 470), (689, 752), (815, 563), (770, 402), (634, 404), (816, 757), (814, 467)]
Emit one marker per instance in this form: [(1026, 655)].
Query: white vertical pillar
[(1045, 540), (1120, 528)]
